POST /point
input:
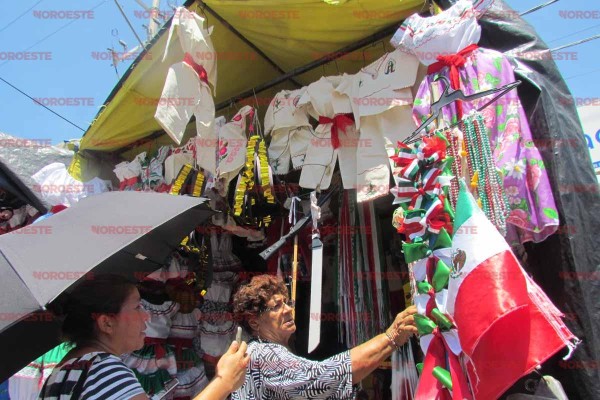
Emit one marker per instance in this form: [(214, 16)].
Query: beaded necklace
[(482, 168)]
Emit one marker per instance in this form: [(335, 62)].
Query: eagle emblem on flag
[(459, 257)]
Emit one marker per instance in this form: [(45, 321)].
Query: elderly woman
[(274, 372)]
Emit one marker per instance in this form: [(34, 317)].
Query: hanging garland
[(256, 172)]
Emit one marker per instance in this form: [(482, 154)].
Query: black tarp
[(566, 265)]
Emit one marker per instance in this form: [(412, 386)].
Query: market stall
[(322, 101)]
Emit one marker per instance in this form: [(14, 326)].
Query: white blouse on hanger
[(445, 33)]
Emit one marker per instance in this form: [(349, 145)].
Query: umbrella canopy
[(14, 193), (128, 233)]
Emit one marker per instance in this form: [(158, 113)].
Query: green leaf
[(475, 84), (499, 109), (501, 127), (550, 213), (418, 102), (498, 64), (491, 79)]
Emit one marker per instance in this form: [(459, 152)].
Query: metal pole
[(153, 25), (129, 23)]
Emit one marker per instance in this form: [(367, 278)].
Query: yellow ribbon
[(182, 176), (246, 182)]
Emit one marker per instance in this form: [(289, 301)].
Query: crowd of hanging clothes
[(373, 161)]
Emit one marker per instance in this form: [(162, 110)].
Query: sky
[(56, 51)]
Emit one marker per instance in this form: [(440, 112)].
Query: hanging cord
[(37, 102), (536, 8), (575, 43)]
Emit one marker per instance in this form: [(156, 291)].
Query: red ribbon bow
[(189, 60), (341, 122), (454, 61), (429, 387), (128, 182)]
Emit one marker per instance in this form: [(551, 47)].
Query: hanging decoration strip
[(363, 309), (255, 181), (182, 177), (423, 177)]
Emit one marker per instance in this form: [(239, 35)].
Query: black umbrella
[(14, 193), (129, 233)]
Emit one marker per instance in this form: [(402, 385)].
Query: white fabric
[(174, 163), (185, 325), (57, 186), (159, 324), (421, 301), (321, 99), (154, 172), (219, 291), (23, 387), (215, 339), (384, 84), (130, 169), (444, 33), (451, 338), (195, 40), (231, 150), (184, 94), (476, 254), (290, 131), (381, 101), (191, 382)]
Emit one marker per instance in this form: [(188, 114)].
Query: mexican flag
[(506, 324)]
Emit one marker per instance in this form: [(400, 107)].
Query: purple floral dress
[(533, 214)]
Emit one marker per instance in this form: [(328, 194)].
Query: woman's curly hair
[(252, 298)]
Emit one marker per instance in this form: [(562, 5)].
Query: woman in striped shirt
[(104, 319)]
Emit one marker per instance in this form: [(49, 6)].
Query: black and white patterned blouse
[(275, 373)]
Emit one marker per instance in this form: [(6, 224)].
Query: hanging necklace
[(483, 172)]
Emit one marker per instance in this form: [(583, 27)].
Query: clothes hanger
[(448, 97)]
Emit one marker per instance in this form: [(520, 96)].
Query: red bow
[(434, 147), (454, 61), (128, 182), (429, 387), (189, 60), (341, 122), (438, 218)]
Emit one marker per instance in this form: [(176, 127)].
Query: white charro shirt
[(322, 100), (186, 93), (290, 131), (381, 99)]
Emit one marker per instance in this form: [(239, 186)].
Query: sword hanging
[(316, 285)]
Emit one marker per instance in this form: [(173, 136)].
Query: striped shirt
[(107, 379)]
